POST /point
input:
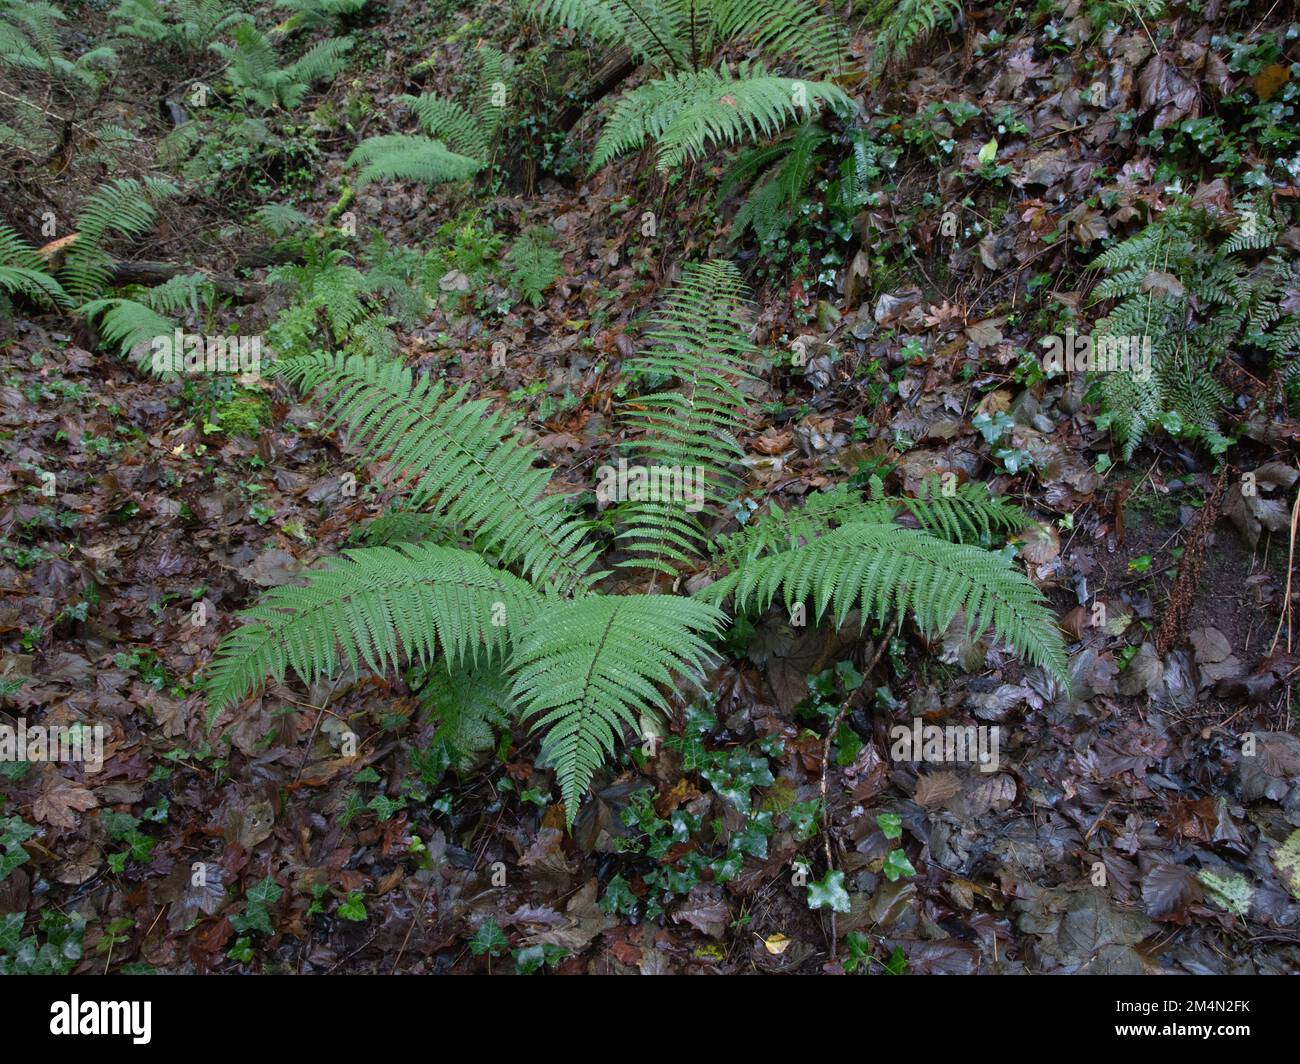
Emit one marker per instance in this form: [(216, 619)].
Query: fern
[(1189, 298), (255, 75), (22, 272), (470, 703), (29, 42), (376, 607), (534, 264), (460, 136), (586, 670), (188, 25), (881, 568), (692, 105), (127, 324), (313, 14), (125, 207), (686, 113), (671, 34), (458, 454), (399, 157), (905, 22), (690, 430)]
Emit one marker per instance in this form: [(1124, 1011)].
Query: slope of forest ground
[(1133, 825)]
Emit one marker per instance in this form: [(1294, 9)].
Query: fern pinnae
[(459, 454), (584, 671), (880, 568), (689, 430), (375, 606)]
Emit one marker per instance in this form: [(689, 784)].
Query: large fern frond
[(584, 672), (645, 27), (397, 156), (22, 271), (458, 454), (125, 207), (686, 113), (688, 431), (885, 568), (375, 607)]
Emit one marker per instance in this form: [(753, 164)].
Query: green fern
[(313, 14), (686, 113), (903, 23), (22, 272), (470, 702), (255, 74), (399, 157), (692, 104), (1190, 298), (127, 324), (188, 25), (376, 607), (691, 429), (882, 568), (458, 454), (586, 670), (29, 44), (672, 34), (534, 264), (125, 207), (460, 136)]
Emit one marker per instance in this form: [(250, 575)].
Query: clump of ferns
[(491, 581)]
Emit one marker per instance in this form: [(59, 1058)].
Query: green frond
[(375, 607), (534, 264), (470, 702), (585, 671), (687, 432), (903, 23), (125, 207), (22, 272), (969, 515), (399, 157), (313, 14), (686, 114), (279, 220), (447, 120), (458, 454), (127, 324), (793, 29), (643, 26), (884, 568), (408, 526)]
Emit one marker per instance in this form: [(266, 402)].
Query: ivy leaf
[(891, 824), (489, 939), (897, 865), (829, 893)]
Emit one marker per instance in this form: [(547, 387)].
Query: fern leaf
[(374, 607), (584, 671), (397, 156), (688, 431), (458, 453), (885, 568)]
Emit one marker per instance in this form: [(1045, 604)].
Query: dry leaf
[(58, 801)]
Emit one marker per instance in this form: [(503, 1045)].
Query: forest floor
[(1081, 853)]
